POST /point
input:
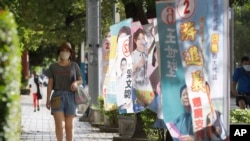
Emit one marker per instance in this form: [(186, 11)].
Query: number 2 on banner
[(185, 8)]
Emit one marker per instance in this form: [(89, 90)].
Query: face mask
[(64, 55), (246, 67)]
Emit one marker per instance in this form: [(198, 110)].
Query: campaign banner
[(153, 67), (202, 38), (138, 102), (172, 73), (118, 80), (145, 75), (103, 56)]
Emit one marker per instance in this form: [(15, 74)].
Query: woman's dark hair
[(136, 35), (124, 29), (182, 88), (153, 57)]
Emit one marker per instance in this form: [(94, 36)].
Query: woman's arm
[(78, 80), (78, 75), (49, 90)]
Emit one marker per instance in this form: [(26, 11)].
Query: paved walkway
[(233, 103), (39, 126)]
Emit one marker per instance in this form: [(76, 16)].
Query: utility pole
[(116, 15), (93, 42)]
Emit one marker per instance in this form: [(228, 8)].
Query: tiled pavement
[(39, 126), (233, 103)]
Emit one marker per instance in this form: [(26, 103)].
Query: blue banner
[(172, 74), (202, 37)]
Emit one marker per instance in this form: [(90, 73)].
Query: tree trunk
[(136, 12)]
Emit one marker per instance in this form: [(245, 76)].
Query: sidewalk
[(39, 126), (233, 103)]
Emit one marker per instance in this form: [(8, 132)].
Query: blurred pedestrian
[(62, 82), (241, 83), (34, 89)]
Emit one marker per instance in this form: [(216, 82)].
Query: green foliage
[(111, 114), (241, 32), (10, 77), (100, 101), (99, 105), (107, 9), (50, 22), (44, 24), (148, 118), (238, 2), (43, 55), (240, 116)]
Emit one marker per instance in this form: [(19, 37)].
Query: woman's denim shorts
[(63, 101)]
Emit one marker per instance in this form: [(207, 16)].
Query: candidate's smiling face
[(140, 42)]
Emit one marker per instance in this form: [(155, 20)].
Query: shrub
[(10, 78), (111, 114), (153, 134), (239, 116)]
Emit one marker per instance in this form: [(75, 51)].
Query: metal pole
[(93, 41), (116, 15)]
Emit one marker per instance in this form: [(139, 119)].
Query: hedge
[(10, 78)]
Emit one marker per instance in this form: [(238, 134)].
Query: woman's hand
[(48, 104), (158, 88), (73, 86)]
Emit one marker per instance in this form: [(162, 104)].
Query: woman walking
[(63, 84)]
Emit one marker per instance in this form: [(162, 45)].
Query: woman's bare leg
[(59, 125), (69, 127)]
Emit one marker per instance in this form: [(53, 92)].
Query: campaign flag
[(172, 73), (104, 60), (153, 67), (145, 73), (202, 38), (118, 82)]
